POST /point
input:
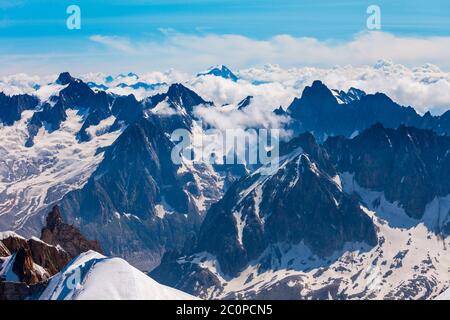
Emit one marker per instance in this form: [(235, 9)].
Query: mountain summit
[(64, 78), (220, 71)]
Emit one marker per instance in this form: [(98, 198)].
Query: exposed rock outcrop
[(27, 264), (57, 232), (409, 165), (13, 242), (300, 202), (52, 258), (4, 252), (25, 268)]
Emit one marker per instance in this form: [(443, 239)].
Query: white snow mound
[(92, 276), (444, 296)]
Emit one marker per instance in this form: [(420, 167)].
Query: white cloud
[(114, 42), (425, 88), (169, 76), (284, 64), (190, 53), (193, 52), (23, 83), (223, 91)]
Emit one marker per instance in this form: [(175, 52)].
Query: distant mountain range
[(362, 191), (325, 114)]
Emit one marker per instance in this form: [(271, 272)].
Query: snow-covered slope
[(407, 263), (408, 260), (33, 178), (444, 296), (92, 276)]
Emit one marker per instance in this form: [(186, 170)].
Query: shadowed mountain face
[(318, 111), (306, 202), (245, 102), (177, 97), (324, 205), (12, 107), (411, 166), (138, 202), (92, 106), (118, 205), (64, 78), (26, 265), (137, 165), (299, 202), (102, 103)]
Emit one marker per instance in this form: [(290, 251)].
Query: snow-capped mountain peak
[(92, 276), (219, 71), (64, 78)]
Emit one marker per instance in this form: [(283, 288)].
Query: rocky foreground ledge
[(27, 264)]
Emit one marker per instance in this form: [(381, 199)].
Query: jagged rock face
[(11, 107), (102, 110), (181, 96), (64, 78), (138, 201), (94, 106), (51, 116), (181, 102), (4, 252), (76, 94), (411, 166), (132, 176), (24, 268), (13, 244), (34, 261), (52, 258), (185, 277), (352, 94), (256, 243), (316, 109), (299, 202), (245, 102), (319, 111), (49, 257), (126, 109), (56, 232), (178, 97)]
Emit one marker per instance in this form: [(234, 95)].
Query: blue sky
[(36, 30)]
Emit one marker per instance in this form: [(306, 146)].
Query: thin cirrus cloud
[(114, 42), (240, 51)]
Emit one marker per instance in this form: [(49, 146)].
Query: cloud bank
[(193, 52), (426, 87), (240, 51)]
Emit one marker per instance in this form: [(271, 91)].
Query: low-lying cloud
[(192, 52)]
